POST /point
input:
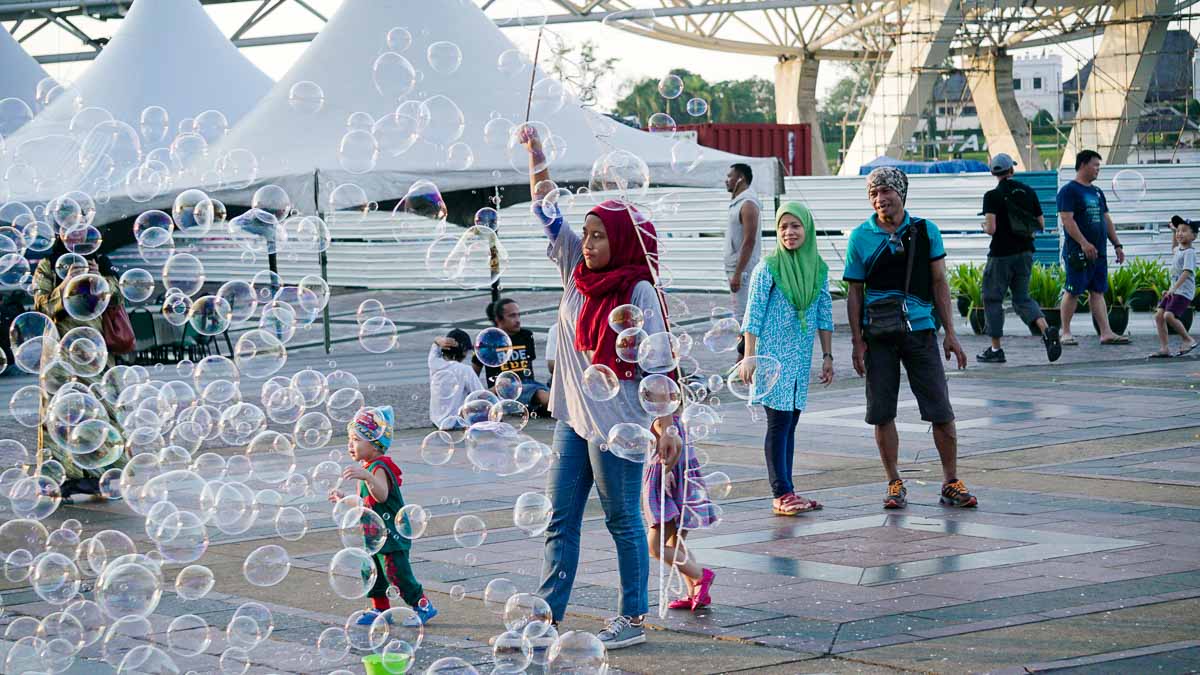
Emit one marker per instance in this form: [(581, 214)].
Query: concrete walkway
[(1083, 556)]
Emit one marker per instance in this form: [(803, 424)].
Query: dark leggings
[(394, 569), (780, 448)]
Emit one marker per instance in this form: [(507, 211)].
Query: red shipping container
[(790, 143)]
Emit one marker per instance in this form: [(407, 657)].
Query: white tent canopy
[(19, 73), (291, 141), (167, 53)]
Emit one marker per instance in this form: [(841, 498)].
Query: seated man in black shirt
[(505, 314)]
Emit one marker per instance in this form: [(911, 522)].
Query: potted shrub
[(972, 288), (1121, 285), (958, 275), (1045, 287), (1147, 275)]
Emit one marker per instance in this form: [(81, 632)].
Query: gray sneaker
[(621, 632)]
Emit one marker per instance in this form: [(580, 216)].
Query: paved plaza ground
[(1083, 556)]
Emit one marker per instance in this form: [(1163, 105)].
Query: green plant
[(959, 274), (971, 285), (1121, 284), (1045, 284), (1149, 274), (842, 288)]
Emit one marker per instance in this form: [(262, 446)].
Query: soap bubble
[(763, 372), (234, 661), (577, 652), (86, 296), (423, 200), (528, 613), (1129, 185), (512, 413), (394, 76), (35, 497), (267, 565), (210, 315), (446, 121), (194, 582), (377, 335), (396, 624), (351, 573), (511, 653), (343, 404), (362, 527), (154, 124), (630, 441), (671, 86), (411, 521), (470, 531), (290, 523), (259, 354), (193, 212), (272, 457), (188, 635), (55, 578), (487, 217), (661, 124), (625, 317), (622, 175), (659, 353), (697, 107), (659, 395), (723, 335), (686, 156), (136, 284), (185, 272), (129, 589), (313, 430), (333, 644), (437, 448), (496, 594), (241, 298), (444, 57), (532, 512), (306, 97), (358, 151), (399, 39), (493, 347), (600, 383), (508, 385), (451, 665)]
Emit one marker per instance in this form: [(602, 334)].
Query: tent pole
[(323, 258)]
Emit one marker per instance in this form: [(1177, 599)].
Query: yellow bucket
[(389, 664)]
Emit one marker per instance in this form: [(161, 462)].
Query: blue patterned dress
[(774, 321)]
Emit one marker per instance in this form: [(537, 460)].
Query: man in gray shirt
[(743, 244)]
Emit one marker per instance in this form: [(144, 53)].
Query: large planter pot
[(978, 320), (1118, 319), (1185, 319), (1143, 300), (964, 305)]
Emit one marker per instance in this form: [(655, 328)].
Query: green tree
[(749, 100), (579, 68), (1043, 120)]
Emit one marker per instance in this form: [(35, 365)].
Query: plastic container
[(390, 664)]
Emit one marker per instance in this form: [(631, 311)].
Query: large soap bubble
[(351, 573), (633, 442), (754, 377), (493, 347), (267, 565), (86, 296), (532, 512)]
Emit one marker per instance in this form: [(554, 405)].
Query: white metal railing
[(376, 252)]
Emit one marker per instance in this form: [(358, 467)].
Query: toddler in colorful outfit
[(370, 436)]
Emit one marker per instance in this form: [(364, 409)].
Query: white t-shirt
[(449, 384), (552, 343), (1185, 260)]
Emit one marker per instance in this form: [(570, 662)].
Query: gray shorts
[(918, 351)]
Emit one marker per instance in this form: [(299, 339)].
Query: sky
[(630, 49)]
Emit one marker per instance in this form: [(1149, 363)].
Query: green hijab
[(799, 274)]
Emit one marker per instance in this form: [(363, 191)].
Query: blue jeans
[(619, 482), (780, 448)]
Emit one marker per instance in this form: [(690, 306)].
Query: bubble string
[(665, 572)]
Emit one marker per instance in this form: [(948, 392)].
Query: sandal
[(790, 505), (813, 504), (1161, 355), (1119, 340), (1069, 341), (1184, 352)]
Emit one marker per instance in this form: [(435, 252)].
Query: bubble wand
[(533, 75)]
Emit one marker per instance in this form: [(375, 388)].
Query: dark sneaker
[(897, 495), (621, 632), (1053, 344), (990, 355), (955, 494)]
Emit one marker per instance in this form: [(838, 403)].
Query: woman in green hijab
[(789, 306)]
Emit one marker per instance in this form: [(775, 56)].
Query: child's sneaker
[(368, 617), (425, 610)]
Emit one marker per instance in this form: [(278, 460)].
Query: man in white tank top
[(743, 242)]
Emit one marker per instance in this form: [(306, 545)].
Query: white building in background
[(1037, 85)]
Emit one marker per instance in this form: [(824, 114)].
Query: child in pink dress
[(685, 506)]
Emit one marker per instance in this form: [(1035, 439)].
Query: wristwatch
[(827, 355), (1118, 246)]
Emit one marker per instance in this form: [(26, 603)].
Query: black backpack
[(1019, 199)]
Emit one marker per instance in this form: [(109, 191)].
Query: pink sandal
[(703, 599)]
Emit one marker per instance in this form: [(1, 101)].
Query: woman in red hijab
[(610, 264)]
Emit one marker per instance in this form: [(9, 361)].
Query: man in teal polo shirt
[(876, 269)]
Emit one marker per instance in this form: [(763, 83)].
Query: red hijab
[(606, 289)]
